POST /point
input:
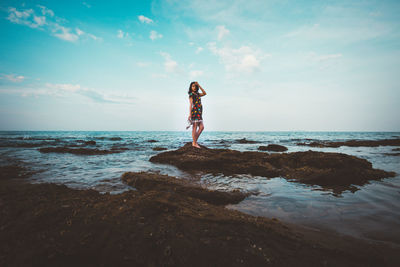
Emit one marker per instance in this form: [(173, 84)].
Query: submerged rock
[(152, 141), (90, 142), (145, 181), (392, 154), (273, 147), (245, 141), (79, 151), (329, 170), (157, 148), (354, 143)]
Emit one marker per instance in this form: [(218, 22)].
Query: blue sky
[(265, 65)]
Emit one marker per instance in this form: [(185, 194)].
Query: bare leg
[(201, 128), (194, 126)]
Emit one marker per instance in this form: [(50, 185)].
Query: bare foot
[(197, 145)]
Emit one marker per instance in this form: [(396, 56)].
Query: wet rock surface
[(273, 147), (145, 181), (88, 143), (335, 171), (117, 138), (80, 151), (392, 154), (354, 143), (15, 170), (245, 141), (157, 148), (53, 225)]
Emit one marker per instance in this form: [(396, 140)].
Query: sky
[(265, 65)]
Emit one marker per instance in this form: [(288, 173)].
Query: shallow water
[(372, 212)]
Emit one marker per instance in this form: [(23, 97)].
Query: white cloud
[(154, 35), (121, 34), (64, 33), (94, 95), (39, 20), (65, 87), (354, 30), (144, 19), (243, 59), (46, 11), (79, 31), (13, 77), (222, 31), (47, 22), (241, 14), (65, 90), (199, 49), (94, 37), (22, 17), (169, 64)]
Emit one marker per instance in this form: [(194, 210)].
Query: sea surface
[(372, 212)]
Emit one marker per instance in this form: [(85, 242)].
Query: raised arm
[(202, 90)]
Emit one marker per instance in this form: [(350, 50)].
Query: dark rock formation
[(354, 143), (115, 138), (157, 148), (145, 181), (85, 142), (52, 225), (91, 143), (152, 141), (245, 141), (273, 147), (13, 171), (28, 144), (78, 151), (335, 171)]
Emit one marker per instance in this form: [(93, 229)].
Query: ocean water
[(372, 212)]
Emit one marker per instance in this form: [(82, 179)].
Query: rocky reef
[(159, 224), (145, 181), (158, 148), (273, 147), (245, 141), (335, 171), (81, 150)]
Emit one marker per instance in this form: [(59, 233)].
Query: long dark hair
[(190, 87)]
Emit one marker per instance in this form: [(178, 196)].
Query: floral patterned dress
[(197, 108)]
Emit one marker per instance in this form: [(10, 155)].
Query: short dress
[(197, 108)]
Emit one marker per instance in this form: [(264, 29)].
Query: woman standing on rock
[(195, 111)]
